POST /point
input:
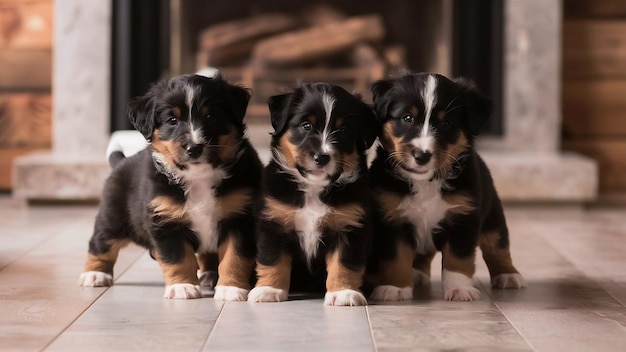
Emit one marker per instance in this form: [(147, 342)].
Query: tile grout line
[(369, 323), (208, 338)]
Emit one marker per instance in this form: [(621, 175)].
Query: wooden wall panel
[(611, 157), (26, 24), (25, 120), (594, 8), (25, 69)]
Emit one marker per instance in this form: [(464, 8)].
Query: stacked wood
[(25, 120)]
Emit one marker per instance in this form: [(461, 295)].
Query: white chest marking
[(201, 205), (425, 210), (306, 221)]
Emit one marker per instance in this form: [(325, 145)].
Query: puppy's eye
[(172, 121), (209, 116), (445, 123), (407, 118), (306, 126), (341, 131)]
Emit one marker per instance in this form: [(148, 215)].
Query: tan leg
[(343, 284), (498, 259), (234, 273), (98, 270), (273, 281), (457, 276), (421, 266), (396, 276), (181, 278)]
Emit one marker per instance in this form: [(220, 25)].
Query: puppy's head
[(428, 121), (321, 132), (191, 119)]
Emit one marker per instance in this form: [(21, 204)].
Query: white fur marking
[(458, 287), (95, 279), (329, 103), (267, 294), (307, 219), (182, 291), (345, 298), (509, 280), (230, 293), (391, 293), (426, 141)]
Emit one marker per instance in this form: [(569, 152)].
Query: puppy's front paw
[(95, 279), (508, 280), (420, 278), (345, 298), (391, 293), (207, 278), (230, 293), (182, 291), (267, 294), (458, 287)]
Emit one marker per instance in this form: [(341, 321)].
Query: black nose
[(422, 158), (194, 150), (321, 159)]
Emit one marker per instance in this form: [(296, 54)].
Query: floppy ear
[(380, 104), (369, 127), (238, 99), (141, 114), (278, 111), (478, 105)]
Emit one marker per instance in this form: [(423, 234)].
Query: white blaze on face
[(197, 135), (329, 103), (426, 141)]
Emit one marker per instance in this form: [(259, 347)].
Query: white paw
[(207, 278), (345, 298), (182, 291), (509, 280), (420, 278), (267, 294), (391, 293), (458, 287), (95, 279), (230, 293)]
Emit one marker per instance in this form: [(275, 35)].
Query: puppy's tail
[(124, 144)]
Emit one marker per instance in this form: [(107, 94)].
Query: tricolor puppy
[(190, 191), (314, 217), (432, 190)]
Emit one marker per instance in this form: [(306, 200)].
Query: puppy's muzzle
[(194, 151), (422, 158), (321, 160)]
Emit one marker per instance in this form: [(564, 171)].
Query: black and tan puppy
[(315, 218), (190, 191), (433, 191)]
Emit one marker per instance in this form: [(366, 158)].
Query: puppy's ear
[(369, 127), (380, 103), (141, 114), (478, 106), (278, 111), (238, 100)]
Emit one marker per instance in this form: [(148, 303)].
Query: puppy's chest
[(425, 209), (307, 222)]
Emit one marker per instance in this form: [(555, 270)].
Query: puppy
[(190, 191), (433, 191), (314, 214)]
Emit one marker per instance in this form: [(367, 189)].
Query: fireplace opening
[(268, 46)]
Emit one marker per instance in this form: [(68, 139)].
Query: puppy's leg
[(180, 272), (207, 272), (421, 268), (101, 258), (495, 248), (457, 275), (342, 283), (273, 280), (396, 276), (234, 272)]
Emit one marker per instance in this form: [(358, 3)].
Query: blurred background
[(555, 70)]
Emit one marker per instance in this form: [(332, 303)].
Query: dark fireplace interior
[(269, 45)]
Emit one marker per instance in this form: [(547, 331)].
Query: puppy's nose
[(422, 158), (194, 150), (321, 159)]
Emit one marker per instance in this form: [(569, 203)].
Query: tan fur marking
[(344, 217), (168, 210), (234, 203), (448, 157), (204, 110), (177, 112), (167, 149), (276, 276), (391, 142), (461, 203), (280, 212), (184, 272), (388, 203), (350, 162), (339, 277), (234, 269), (414, 111), (422, 262), (106, 261), (207, 261), (287, 149), (451, 262), (229, 144), (441, 115), (498, 259), (398, 272)]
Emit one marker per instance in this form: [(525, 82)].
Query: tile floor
[(574, 262)]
